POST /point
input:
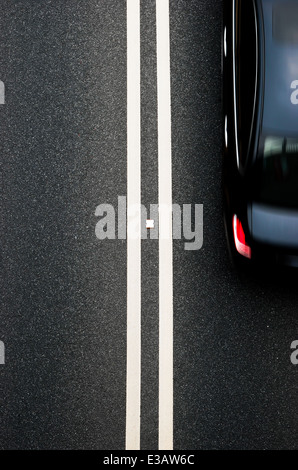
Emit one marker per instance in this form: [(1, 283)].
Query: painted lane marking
[(133, 370), (133, 387), (165, 227)]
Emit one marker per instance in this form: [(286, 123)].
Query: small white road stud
[(149, 223)]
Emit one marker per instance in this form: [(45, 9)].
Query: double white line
[(133, 386)]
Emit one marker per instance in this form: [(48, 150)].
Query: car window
[(245, 73), (284, 22), (280, 110), (277, 171)]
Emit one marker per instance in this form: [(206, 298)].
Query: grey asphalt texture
[(63, 291)]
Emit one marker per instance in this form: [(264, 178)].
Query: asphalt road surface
[(63, 134)]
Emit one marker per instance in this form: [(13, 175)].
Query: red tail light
[(239, 237)]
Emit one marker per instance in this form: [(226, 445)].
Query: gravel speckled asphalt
[(63, 135), (63, 292)]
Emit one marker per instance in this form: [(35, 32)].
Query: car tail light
[(239, 237)]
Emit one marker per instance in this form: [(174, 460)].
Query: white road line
[(133, 372), (165, 227)]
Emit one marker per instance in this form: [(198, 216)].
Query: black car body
[(260, 110)]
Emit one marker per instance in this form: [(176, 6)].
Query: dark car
[(260, 109)]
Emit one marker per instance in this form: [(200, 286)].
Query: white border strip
[(165, 227), (133, 370)]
